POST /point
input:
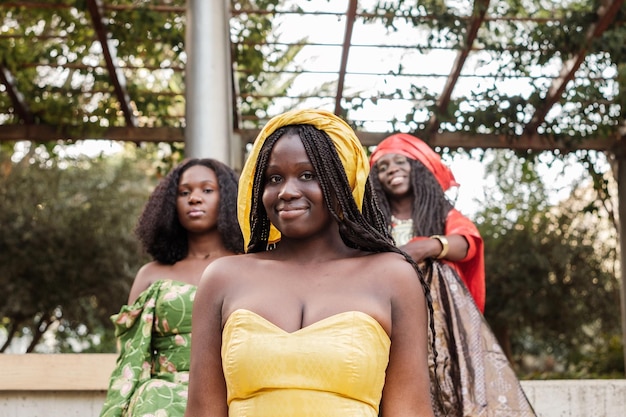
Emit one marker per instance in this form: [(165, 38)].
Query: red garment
[(471, 269), (415, 148)]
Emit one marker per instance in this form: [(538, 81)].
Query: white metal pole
[(208, 76)]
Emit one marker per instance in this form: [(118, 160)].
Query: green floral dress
[(154, 336)]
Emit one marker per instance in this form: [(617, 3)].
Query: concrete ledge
[(56, 372), (51, 403), (68, 385), (54, 385), (577, 398)]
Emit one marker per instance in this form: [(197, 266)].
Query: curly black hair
[(158, 228), (430, 205)]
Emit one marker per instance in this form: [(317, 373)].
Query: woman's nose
[(289, 190), (194, 197), (392, 167)]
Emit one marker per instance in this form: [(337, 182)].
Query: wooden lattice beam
[(347, 41), (44, 133), (477, 19), (17, 98), (118, 80), (606, 14)]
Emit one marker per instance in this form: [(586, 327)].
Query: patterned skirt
[(473, 375)]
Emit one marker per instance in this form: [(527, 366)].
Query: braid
[(373, 211), (380, 196), (355, 229), (430, 210), (259, 222), (430, 203), (366, 230)]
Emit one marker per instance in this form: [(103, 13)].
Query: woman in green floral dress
[(189, 221)]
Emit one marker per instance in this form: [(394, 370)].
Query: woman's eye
[(208, 190), (183, 193), (273, 179), (382, 168), (308, 176)]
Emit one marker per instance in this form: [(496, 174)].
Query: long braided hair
[(430, 205), (430, 208), (366, 230)]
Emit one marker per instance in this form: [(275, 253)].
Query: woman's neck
[(205, 246), (401, 208)]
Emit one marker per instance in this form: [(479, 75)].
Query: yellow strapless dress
[(334, 367)]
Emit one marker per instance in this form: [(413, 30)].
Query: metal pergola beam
[(347, 41), (476, 21), (606, 13), (17, 99), (116, 75)]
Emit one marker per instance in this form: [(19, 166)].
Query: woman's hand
[(421, 248)]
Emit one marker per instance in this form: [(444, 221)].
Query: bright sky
[(558, 177), (468, 197)]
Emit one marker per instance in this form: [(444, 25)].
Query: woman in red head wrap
[(405, 173), (410, 181)]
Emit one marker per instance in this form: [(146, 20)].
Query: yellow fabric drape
[(349, 148)]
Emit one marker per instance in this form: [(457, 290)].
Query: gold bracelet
[(444, 245)]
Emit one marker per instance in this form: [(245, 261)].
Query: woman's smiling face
[(394, 174), (292, 196)]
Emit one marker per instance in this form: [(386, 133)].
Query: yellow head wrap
[(349, 148)]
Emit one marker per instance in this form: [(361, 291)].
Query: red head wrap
[(414, 148)]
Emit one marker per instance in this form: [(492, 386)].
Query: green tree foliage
[(71, 89), (526, 40), (552, 292), (67, 252), (52, 52), (81, 97), (258, 60)]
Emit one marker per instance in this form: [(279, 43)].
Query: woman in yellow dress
[(323, 316)]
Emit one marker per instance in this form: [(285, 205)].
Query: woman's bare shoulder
[(146, 276), (229, 267), (389, 260), (233, 261), (394, 269), (152, 268)]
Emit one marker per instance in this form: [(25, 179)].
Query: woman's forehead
[(391, 157)]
